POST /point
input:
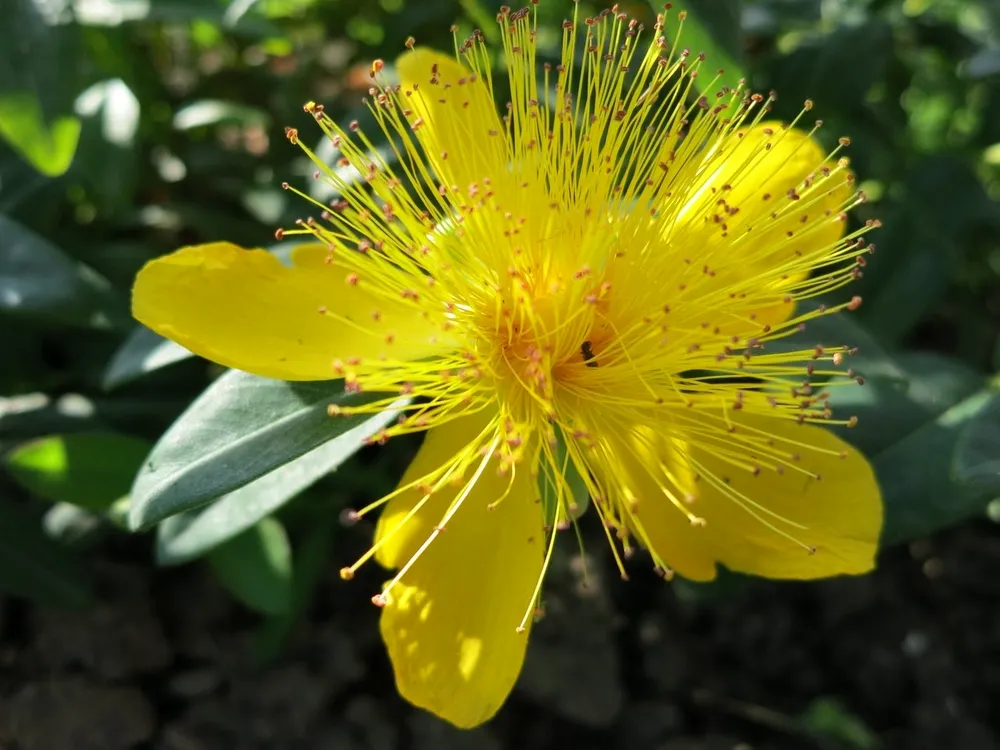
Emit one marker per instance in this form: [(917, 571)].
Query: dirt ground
[(908, 657)]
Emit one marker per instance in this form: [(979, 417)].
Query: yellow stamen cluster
[(596, 260)]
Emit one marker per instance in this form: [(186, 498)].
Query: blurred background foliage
[(129, 128)]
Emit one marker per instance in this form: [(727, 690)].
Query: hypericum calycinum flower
[(581, 291)]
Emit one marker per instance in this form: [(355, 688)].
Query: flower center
[(537, 337)]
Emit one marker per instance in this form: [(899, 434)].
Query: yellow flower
[(584, 289)]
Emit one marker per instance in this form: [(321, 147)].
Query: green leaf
[(32, 566), (309, 565), (39, 75), (48, 147), (926, 238), (823, 67), (106, 163), (977, 454), (89, 470), (827, 717), (72, 526), (189, 535), (901, 395), (142, 352), (215, 112), (983, 64), (915, 474), (239, 429), (38, 280), (256, 567), (718, 33), (901, 391)]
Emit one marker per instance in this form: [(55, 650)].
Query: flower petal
[(398, 537), (245, 309), (763, 524), (450, 625), (663, 527), (754, 178), (451, 109)]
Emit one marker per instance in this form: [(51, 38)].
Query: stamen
[(615, 257)]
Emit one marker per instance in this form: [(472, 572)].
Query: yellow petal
[(663, 526), (839, 515), (754, 177), (451, 108), (397, 537), (450, 625), (245, 309)]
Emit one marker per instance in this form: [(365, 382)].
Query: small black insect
[(588, 354)]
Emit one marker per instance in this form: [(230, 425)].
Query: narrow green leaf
[(89, 470), (309, 564), (142, 352), (189, 535), (256, 567), (38, 280), (32, 566), (240, 428), (977, 454)]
